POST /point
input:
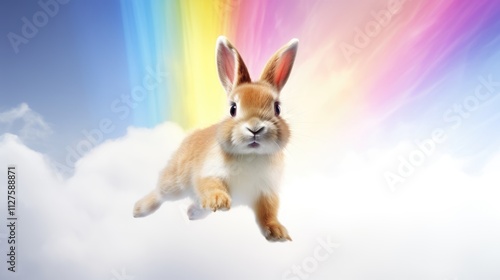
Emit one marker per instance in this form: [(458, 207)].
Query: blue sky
[(78, 56)]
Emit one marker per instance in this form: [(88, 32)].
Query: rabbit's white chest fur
[(247, 177)]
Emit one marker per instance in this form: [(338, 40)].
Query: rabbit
[(240, 160)]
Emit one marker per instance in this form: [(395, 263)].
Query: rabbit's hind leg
[(168, 189)]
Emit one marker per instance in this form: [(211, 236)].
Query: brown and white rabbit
[(238, 161)]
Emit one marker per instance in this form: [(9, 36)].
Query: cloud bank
[(25, 122), (345, 220)]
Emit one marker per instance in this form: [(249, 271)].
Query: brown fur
[(275, 73), (230, 141), (256, 97), (243, 75), (266, 213), (213, 193)]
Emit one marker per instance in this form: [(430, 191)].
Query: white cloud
[(25, 122), (441, 224)]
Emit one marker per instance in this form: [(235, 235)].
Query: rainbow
[(360, 66)]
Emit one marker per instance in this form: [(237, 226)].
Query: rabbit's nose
[(256, 131)]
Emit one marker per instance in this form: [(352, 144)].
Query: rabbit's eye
[(277, 108), (232, 111)]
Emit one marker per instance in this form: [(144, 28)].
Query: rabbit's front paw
[(217, 200), (274, 231)]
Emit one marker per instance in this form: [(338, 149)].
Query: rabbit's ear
[(280, 65), (231, 68)]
